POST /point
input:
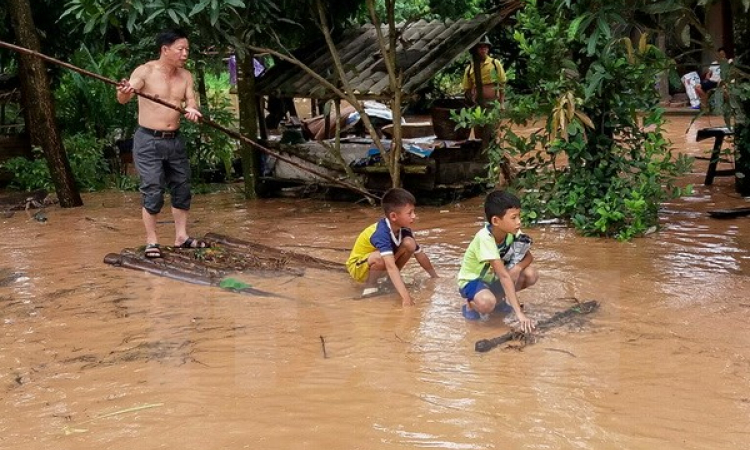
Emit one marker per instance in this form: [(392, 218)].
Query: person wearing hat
[(492, 75)]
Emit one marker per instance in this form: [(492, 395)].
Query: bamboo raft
[(212, 266)]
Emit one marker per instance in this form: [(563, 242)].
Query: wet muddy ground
[(98, 357)]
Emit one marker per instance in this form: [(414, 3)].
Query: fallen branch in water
[(323, 344), (557, 319), (68, 430)]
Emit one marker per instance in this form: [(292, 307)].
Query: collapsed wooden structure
[(423, 49)]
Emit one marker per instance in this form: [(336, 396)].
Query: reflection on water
[(663, 364)]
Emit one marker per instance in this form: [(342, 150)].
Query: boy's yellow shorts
[(358, 268)]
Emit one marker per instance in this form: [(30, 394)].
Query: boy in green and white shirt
[(497, 262)]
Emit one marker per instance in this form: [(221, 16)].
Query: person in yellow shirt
[(493, 75)]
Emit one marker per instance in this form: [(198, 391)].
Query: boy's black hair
[(396, 198), (498, 202), (168, 37)]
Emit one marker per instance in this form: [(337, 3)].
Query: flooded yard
[(98, 357)]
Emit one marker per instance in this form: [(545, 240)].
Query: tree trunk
[(661, 42), (200, 69), (478, 85), (251, 163), (205, 111), (37, 97), (397, 145)]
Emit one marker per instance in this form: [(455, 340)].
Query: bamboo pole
[(203, 120)]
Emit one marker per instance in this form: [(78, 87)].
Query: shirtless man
[(158, 149)]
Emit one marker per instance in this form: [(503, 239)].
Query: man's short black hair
[(168, 37), (498, 202), (397, 198)]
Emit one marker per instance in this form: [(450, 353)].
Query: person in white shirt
[(712, 77)]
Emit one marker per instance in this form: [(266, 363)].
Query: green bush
[(86, 157), (86, 105), (208, 147), (126, 183), (29, 174), (595, 90)]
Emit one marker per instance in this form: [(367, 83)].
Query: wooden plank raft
[(212, 266), (559, 318)]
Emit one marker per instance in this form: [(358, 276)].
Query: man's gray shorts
[(161, 160)]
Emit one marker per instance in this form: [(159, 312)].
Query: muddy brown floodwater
[(98, 357)]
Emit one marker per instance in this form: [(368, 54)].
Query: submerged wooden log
[(186, 265), (265, 251), (131, 261), (729, 213), (485, 345)]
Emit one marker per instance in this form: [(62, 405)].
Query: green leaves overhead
[(105, 14)]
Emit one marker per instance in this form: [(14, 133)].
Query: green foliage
[(85, 153), (423, 9), (29, 174), (446, 84), (599, 159), (86, 105), (209, 148), (130, 14), (128, 183)]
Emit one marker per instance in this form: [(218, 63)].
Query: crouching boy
[(387, 245), (497, 263)]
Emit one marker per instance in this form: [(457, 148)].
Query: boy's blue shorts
[(472, 287)]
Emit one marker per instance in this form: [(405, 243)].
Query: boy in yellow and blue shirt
[(497, 262), (387, 245)]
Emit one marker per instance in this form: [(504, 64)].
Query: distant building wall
[(719, 27)]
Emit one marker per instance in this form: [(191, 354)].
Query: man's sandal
[(152, 251), (194, 243)]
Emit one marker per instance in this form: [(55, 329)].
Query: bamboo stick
[(485, 345)]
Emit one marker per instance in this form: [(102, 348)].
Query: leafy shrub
[(86, 157), (29, 174), (600, 160), (126, 183), (210, 148), (86, 105)]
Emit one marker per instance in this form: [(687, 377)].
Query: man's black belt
[(160, 134)]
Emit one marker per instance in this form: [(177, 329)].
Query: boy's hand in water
[(527, 325)]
